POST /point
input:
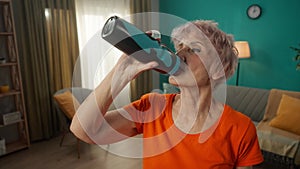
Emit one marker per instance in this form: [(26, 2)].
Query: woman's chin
[(172, 81)]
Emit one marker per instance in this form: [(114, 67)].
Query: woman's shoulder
[(156, 94), (152, 101), (236, 119), (234, 115), (157, 97)]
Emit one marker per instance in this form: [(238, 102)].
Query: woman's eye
[(183, 59), (179, 46), (196, 50)]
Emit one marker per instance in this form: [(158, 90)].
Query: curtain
[(91, 16), (48, 50), (97, 56), (143, 83), (96, 59)]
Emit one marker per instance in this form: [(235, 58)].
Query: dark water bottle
[(136, 43)]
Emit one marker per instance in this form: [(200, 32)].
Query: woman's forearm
[(88, 122), (89, 117)]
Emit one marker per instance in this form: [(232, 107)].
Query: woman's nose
[(183, 51)]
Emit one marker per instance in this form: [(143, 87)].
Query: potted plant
[(297, 57)]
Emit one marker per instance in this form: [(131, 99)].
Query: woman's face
[(196, 54)]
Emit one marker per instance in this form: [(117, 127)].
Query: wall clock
[(254, 11)]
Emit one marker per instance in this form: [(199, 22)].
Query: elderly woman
[(189, 129)]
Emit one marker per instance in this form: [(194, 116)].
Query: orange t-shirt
[(232, 144)]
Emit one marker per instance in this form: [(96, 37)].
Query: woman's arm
[(92, 122)]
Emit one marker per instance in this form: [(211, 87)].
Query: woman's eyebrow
[(196, 42)]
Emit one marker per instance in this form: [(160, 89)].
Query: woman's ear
[(218, 71)]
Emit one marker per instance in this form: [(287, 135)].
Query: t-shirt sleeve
[(147, 109), (136, 110), (249, 153)]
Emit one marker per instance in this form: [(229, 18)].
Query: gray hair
[(222, 42)]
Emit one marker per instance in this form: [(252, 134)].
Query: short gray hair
[(223, 43)]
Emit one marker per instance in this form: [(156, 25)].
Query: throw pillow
[(274, 100), (67, 103), (288, 115)]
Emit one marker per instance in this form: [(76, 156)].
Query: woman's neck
[(191, 108)]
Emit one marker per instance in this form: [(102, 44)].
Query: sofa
[(261, 106), (249, 101)]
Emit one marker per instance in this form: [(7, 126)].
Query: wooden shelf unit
[(15, 134), (8, 64), (6, 34), (20, 121), (11, 92)]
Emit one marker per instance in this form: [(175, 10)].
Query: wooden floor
[(49, 155)]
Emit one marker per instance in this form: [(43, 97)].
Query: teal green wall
[(271, 64)]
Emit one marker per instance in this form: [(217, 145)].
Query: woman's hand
[(128, 68)]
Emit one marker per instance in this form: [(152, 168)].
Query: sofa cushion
[(288, 115), (274, 100)]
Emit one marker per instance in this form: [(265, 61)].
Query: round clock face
[(254, 11)]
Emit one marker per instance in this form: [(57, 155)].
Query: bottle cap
[(154, 34)]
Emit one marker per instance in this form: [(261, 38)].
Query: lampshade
[(243, 49)]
